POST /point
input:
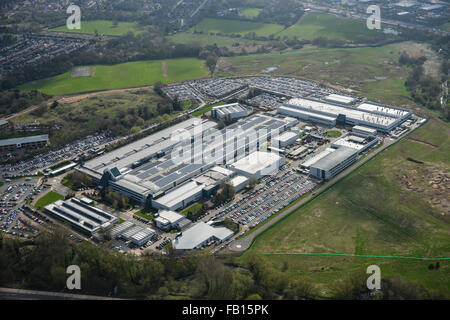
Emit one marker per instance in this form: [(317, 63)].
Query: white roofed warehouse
[(258, 164), (200, 235), (333, 162), (81, 216), (379, 117), (168, 220), (233, 111)]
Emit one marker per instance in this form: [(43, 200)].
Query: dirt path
[(422, 142), (164, 69)]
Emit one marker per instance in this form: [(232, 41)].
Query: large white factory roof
[(198, 234), (335, 110), (333, 159), (127, 155), (178, 194), (388, 111), (308, 114), (169, 216), (317, 157), (338, 98), (256, 162)]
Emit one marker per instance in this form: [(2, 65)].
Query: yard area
[(50, 197)]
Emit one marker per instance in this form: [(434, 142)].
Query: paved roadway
[(244, 243), (19, 294)]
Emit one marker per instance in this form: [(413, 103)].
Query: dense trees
[(424, 89), (225, 192), (13, 101)]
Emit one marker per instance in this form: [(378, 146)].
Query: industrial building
[(130, 232), (332, 161), (179, 197), (149, 172), (356, 141), (200, 235), (168, 220), (364, 130), (81, 216), (258, 164), (31, 142), (340, 99), (379, 117), (231, 111), (285, 139), (239, 182)]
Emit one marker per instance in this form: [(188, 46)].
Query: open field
[(105, 27), (93, 113), (371, 72), (207, 40), (314, 25), (227, 26), (50, 197), (387, 207), (250, 12), (130, 74)]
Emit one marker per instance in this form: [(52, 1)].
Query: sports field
[(105, 27), (314, 25), (227, 26), (387, 207), (124, 75)]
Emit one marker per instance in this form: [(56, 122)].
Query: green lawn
[(227, 26), (334, 133), (206, 109), (370, 72), (446, 26), (50, 197), (371, 212), (250, 12), (130, 74), (315, 25), (105, 27), (144, 215), (194, 208), (207, 40)]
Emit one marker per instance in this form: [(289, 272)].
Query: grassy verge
[(50, 197), (372, 211)]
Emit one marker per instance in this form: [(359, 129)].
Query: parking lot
[(14, 218), (32, 166)]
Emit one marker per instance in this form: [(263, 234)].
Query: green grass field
[(250, 12), (207, 40), (315, 25), (446, 26), (226, 26), (371, 212), (371, 72), (124, 75), (334, 133), (105, 27), (50, 197)]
